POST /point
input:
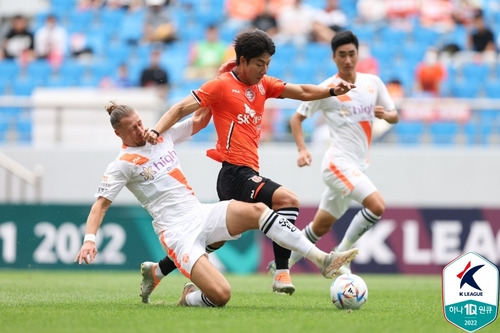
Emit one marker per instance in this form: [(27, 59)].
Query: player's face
[(132, 131), (255, 69), (346, 59)]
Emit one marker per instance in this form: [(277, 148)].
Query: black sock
[(166, 265), (282, 255)]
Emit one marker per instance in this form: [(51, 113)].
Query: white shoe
[(283, 284), (189, 287), (271, 268), (149, 280), (335, 260)]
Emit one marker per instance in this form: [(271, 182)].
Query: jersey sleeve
[(209, 93), (181, 131), (274, 86), (112, 182), (383, 97)]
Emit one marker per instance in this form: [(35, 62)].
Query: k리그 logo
[(470, 292)]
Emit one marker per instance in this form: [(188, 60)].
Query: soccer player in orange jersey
[(236, 99)]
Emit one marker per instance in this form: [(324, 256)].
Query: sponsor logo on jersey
[(256, 179), (148, 173), (249, 117)]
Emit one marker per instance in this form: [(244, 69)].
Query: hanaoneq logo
[(470, 292)]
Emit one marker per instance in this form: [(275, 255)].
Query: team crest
[(250, 95), (256, 179), (261, 89)]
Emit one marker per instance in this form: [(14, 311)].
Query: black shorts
[(244, 184)]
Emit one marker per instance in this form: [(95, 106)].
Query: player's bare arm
[(88, 250), (310, 92), (390, 116), (179, 110), (305, 157), (201, 118)]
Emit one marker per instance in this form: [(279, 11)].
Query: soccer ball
[(348, 291)]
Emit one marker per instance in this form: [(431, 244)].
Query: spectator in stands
[(430, 74), (371, 12), (206, 56), (395, 89), (240, 13), (438, 15), (158, 25), (51, 41), (154, 76), (328, 21), (120, 80), (367, 63), (89, 5), (481, 38), (266, 21), (295, 24), (19, 41)]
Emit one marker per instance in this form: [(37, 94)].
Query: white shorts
[(345, 182), (185, 242)]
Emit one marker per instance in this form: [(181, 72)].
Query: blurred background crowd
[(440, 49)]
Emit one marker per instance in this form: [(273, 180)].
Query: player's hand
[(151, 137), (226, 67), (304, 158), (87, 253), (379, 112), (343, 87)]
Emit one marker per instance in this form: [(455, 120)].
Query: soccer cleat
[(271, 268), (149, 280), (189, 287), (283, 283), (335, 260)]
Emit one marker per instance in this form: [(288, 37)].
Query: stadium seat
[(24, 86), (131, 27), (492, 88), (39, 69), (444, 132), (463, 88), (24, 130), (475, 72), (9, 68)]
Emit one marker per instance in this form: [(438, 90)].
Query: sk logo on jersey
[(249, 116)]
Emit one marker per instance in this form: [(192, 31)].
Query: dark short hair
[(252, 44), (343, 38)]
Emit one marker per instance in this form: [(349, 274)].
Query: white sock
[(158, 272), (316, 256), (361, 223), (311, 236), (281, 231), (197, 298)]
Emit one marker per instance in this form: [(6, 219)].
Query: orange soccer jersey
[(237, 115)]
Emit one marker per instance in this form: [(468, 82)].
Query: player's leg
[(152, 273), (243, 216), (365, 219), (285, 203), (209, 287)]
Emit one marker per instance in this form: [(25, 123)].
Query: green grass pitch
[(93, 301)]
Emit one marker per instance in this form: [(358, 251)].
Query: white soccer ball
[(348, 291)]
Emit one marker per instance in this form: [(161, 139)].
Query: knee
[(284, 198), (221, 296), (377, 207)]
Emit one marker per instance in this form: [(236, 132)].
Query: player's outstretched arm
[(178, 111), (88, 250), (310, 92), (305, 157), (201, 118)]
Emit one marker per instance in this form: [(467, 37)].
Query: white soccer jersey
[(153, 174), (350, 117)]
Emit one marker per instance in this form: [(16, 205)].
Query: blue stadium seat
[(444, 132), (24, 86), (475, 72), (9, 68), (71, 70), (463, 88), (24, 128), (131, 27), (80, 21), (39, 69), (492, 88), (409, 133), (316, 53)]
